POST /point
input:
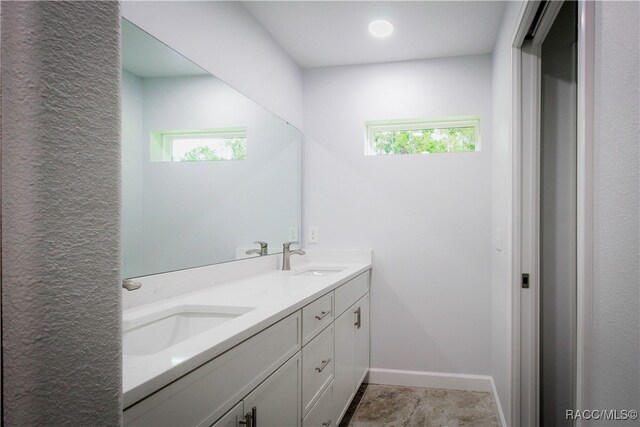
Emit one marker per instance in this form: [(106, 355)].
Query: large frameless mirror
[(206, 172)]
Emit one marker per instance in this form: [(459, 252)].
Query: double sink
[(155, 332)]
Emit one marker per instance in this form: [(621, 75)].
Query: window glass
[(422, 136)]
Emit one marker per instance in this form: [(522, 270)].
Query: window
[(451, 135), (199, 145)]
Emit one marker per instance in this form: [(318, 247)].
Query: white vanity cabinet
[(276, 402), (317, 362), (271, 403), (321, 415), (361, 340), (316, 316), (351, 343), (302, 370), (350, 353), (204, 395)]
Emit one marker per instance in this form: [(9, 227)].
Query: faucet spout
[(262, 251), (286, 255)]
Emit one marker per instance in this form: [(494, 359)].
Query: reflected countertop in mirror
[(206, 171)]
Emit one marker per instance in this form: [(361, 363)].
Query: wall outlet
[(293, 234), (312, 236)]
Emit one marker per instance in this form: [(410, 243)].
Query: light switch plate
[(312, 236), (293, 234)]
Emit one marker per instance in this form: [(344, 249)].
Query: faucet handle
[(286, 245), (262, 244)]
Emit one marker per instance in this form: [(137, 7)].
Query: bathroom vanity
[(205, 341), (284, 348)]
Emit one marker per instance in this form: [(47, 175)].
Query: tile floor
[(381, 405)]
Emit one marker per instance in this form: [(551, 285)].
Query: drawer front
[(321, 413), (204, 395), (316, 316), (350, 292), (317, 367)]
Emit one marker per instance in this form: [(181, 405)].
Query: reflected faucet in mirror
[(262, 251), (286, 254)]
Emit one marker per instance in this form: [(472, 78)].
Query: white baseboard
[(438, 380), (430, 379)]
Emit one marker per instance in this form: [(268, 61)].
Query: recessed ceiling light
[(381, 28)]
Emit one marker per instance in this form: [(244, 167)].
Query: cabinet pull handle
[(357, 313), (324, 365), (322, 314), (254, 416), (248, 421), (326, 423)]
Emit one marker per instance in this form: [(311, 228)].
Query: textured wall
[(615, 357), (60, 212), (427, 218)]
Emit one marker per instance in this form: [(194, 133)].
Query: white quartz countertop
[(275, 295)]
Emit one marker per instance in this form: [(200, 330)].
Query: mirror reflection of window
[(199, 145)]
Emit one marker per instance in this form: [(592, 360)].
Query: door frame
[(525, 67)]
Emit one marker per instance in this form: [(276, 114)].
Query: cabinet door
[(343, 388), (231, 418), (361, 340), (277, 400)]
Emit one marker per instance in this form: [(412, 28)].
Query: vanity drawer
[(205, 394), (321, 413), (350, 292), (316, 316), (317, 367)]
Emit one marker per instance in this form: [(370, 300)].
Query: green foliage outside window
[(417, 141), (200, 154), (238, 147)]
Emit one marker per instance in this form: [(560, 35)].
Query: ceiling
[(146, 56), (329, 33)]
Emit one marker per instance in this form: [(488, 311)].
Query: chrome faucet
[(286, 254), (131, 285), (262, 251)]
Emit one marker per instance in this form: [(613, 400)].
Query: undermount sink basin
[(158, 331), (320, 271)]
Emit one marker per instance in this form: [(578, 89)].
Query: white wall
[(426, 217), (225, 39), (615, 354), (501, 187), (188, 214), (613, 372)]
